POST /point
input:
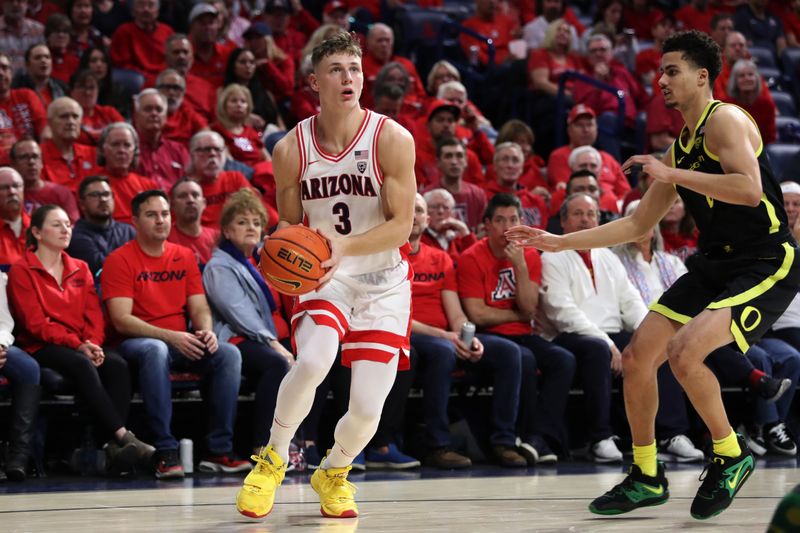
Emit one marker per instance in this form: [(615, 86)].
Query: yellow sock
[(645, 458), (729, 446)]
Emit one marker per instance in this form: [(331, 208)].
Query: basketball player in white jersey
[(350, 172)]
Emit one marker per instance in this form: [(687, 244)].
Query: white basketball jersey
[(341, 194)]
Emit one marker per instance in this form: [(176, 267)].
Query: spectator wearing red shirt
[(210, 56), (233, 110), (642, 17), (57, 33), (22, 114), (585, 164), (394, 74), (745, 90), (517, 131), (556, 56), (162, 160), (84, 34), (84, 89), (648, 62), (535, 30), (439, 122), (14, 221), (508, 165), (679, 231), (59, 322), (139, 45), (378, 52), (38, 75), (183, 121), (389, 100), (445, 231), (735, 49), (274, 68), (153, 290), (278, 14), (98, 61), (26, 157), (437, 318), (188, 205), (721, 26), (490, 23), (470, 200), (117, 153), (473, 128), (242, 69), (602, 66), (41, 10), (65, 161), (498, 283), (206, 150), (180, 56), (696, 15)]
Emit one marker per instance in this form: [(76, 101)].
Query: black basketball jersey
[(727, 228)]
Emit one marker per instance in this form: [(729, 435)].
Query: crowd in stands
[(136, 185)]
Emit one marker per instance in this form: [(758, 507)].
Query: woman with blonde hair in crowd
[(234, 106), (247, 312)]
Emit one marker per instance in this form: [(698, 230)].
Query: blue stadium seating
[(780, 157), (788, 129), (763, 57), (785, 103)]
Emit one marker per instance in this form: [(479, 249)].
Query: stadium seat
[(785, 103), (763, 57), (780, 157), (790, 61), (773, 78), (419, 32), (788, 129)]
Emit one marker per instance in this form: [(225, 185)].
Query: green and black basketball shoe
[(724, 477), (636, 490)]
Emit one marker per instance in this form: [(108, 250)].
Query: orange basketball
[(291, 258)]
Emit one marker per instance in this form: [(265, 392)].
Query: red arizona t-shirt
[(159, 286), (482, 275), (433, 273)]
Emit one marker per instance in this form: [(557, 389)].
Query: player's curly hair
[(697, 48), (341, 43)]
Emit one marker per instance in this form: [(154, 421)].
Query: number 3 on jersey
[(342, 210)]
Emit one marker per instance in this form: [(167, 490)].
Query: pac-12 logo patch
[(361, 166)]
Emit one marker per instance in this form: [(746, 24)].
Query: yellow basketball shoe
[(257, 495), (335, 492)]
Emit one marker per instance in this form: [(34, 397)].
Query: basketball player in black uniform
[(740, 281)]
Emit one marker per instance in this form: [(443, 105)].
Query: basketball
[(291, 258)]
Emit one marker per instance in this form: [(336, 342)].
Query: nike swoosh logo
[(732, 483), (292, 283), (657, 491), (312, 162), (681, 160)]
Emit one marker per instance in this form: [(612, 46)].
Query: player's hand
[(332, 264), (209, 340), (529, 237), (616, 361), (188, 344), (650, 165)]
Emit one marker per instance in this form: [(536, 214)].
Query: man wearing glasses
[(26, 158)]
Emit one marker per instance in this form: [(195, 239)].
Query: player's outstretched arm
[(654, 205), (286, 166), (727, 135), (396, 156)]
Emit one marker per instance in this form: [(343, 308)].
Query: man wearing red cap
[(441, 120), (335, 12), (582, 131)]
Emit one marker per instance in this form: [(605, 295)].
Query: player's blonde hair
[(340, 43)]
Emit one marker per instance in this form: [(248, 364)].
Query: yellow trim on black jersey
[(694, 131), (738, 336), (761, 288), (662, 309), (773, 217), (760, 148)]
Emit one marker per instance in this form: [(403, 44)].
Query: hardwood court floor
[(398, 503)]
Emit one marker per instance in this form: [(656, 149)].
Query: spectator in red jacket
[(233, 111), (745, 90), (278, 15), (735, 49), (188, 203), (118, 154), (84, 89), (696, 15), (61, 325), (648, 62), (23, 112), (180, 56), (139, 45), (275, 68), (508, 165), (679, 231), (380, 51), (26, 157), (160, 159), (14, 221), (66, 162), (210, 56), (492, 24), (183, 121), (642, 16)]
